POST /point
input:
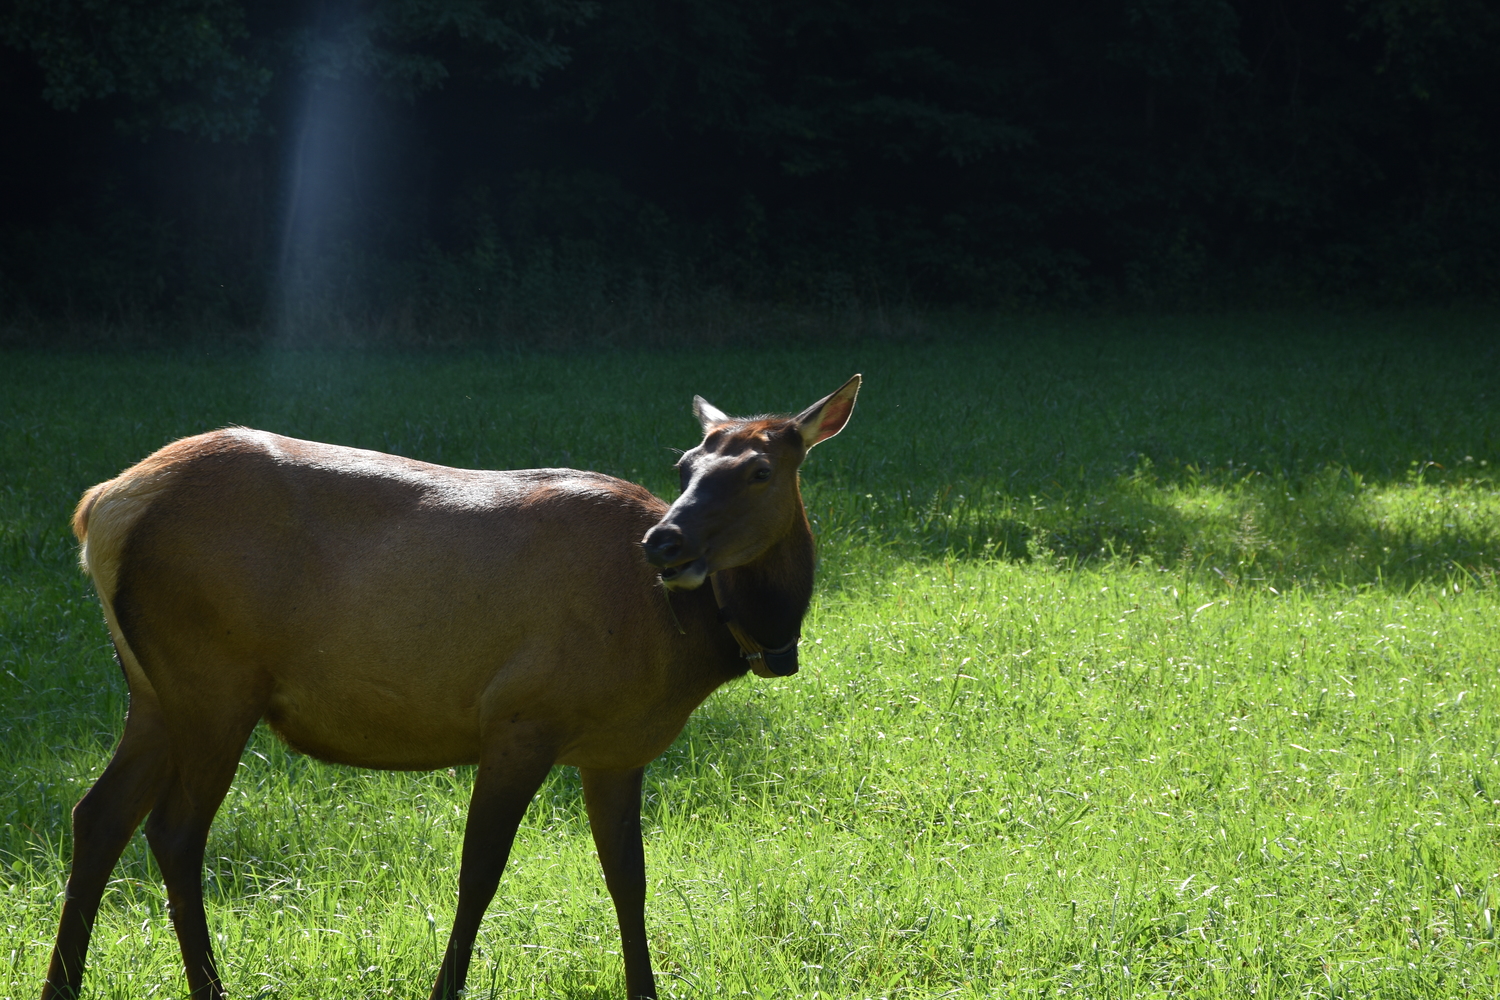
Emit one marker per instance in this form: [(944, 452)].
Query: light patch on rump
[(107, 513), (103, 522), (104, 519)]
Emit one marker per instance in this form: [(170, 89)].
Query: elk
[(386, 613)]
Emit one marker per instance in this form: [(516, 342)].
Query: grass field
[(1148, 659)]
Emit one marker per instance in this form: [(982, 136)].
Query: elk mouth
[(670, 550), (685, 575)]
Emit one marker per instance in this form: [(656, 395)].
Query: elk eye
[(761, 474)]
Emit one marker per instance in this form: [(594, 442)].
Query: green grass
[(1147, 660)]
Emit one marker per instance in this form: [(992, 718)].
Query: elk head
[(739, 488)]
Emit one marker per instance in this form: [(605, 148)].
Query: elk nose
[(663, 545)]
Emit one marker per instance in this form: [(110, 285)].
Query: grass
[(1147, 660)]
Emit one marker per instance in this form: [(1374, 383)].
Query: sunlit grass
[(1246, 528), (1135, 670)]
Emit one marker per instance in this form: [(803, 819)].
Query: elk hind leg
[(103, 823), (177, 831)]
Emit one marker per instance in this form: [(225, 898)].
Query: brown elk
[(388, 613)]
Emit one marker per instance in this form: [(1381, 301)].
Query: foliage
[(512, 40), (180, 65), (1152, 152), (193, 66)]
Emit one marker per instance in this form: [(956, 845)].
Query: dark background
[(470, 170)]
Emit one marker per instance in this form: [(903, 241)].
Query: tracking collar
[(779, 662)]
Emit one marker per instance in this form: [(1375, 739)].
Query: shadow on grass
[(289, 817), (1241, 527)]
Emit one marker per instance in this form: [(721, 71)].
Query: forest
[(480, 171)]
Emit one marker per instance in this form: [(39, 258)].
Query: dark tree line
[(470, 160)]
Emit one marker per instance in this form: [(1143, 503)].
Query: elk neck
[(768, 597)]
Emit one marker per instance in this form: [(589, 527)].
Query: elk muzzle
[(683, 565)]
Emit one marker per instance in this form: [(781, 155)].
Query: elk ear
[(827, 416), (707, 413)]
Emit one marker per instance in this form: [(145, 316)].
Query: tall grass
[(1145, 661)]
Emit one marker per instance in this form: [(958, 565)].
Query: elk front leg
[(508, 777), (613, 799)]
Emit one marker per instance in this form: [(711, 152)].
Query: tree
[(197, 67)]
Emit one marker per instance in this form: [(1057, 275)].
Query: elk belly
[(373, 724)]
